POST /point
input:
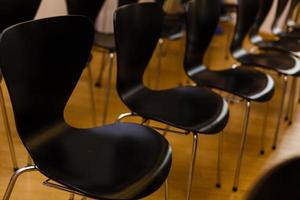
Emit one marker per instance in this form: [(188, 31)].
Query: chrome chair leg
[(8, 131), (72, 196), (264, 129), (107, 92), (166, 190), (159, 59), (243, 142), (280, 113), (219, 161), (192, 165), (100, 76), (287, 114), (291, 113), (14, 178), (92, 95)]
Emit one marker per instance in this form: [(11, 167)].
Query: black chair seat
[(244, 82), (105, 41), (114, 155), (280, 62), (283, 44), (190, 108), (295, 34)]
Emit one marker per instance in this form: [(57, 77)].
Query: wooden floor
[(78, 114)]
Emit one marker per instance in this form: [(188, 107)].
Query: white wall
[(49, 8)]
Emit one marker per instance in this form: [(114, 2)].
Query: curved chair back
[(125, 2), (264, 9), (247, 11), (135, 43), (89, 8), (41, 62), (202, 19), (16, 11), (281, 182)]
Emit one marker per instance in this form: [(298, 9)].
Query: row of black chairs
[(195, 110)]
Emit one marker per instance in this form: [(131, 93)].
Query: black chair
[(246, 83), (293, 30), (102, 163), (192, 109), (279, 183), (281, 43), (13, 12), (104, 41), (282, 63), (284, 44)]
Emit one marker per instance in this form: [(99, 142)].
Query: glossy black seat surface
[(103, 163), (295, 34), (279, 183), (202, 20), (282, 44), (247, 83), (280, 62), (189, 108)]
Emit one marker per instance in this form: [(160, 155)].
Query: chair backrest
[(41, 62), (16, 11), (125, 2), (202, 18), (247, 11), (89, 8), (264, 9), (137, 30), (280, 182)]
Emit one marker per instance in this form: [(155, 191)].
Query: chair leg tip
[(234, 189), (262, 152), (290, 123), (273, 147), (286, 118), (218, 185)]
